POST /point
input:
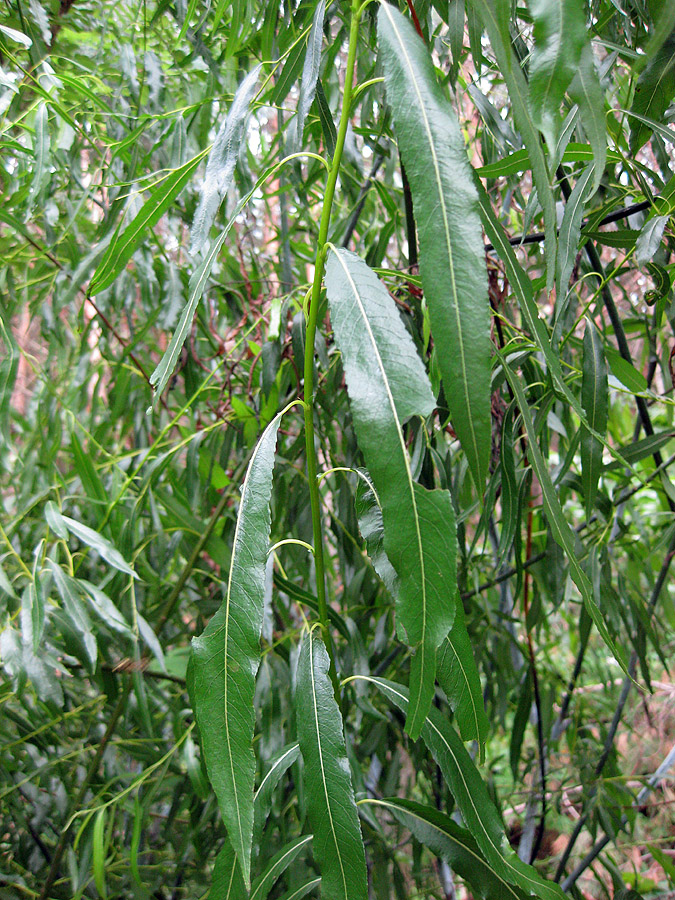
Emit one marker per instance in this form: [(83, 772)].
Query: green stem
[(319, 266)]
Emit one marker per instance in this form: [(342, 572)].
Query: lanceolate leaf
[(559, 39), (338, 845), (454, 844), (223, 159), (587, 92), (451, 247), (594, 402), (560, 529), (227, 882), (458, 676), (387, 384), (570, 230), (263, 795), (310, 75), (496, 17), (653, 92), (277, 866), (227, 654), (126, 241), (471, 797)]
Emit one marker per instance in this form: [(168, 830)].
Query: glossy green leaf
[(302, 891), (570, 231), (560, 528), (471, 797), (226, 657), (588, 93), (223, 160), (654, 92), (496, 17), (626, 372), (387, 384), (277, 866), (594, 401), (127, 240), (458, 676), (559, 39), (454, 844), (645, 447), (310, 75), (338, 846), (227, 882), (451, 248)]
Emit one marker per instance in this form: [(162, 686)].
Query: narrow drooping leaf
[(471, 797), (496, 17), (302, 891), (454, 844), (654, 92), (594, 402), (570, 230), (41, 145), (560, 528), (263, 795), (73, 617), (338, 845), (98, 543), (223, 159), (127, 240), (226, 657), (387, 384), (559, 39), (588, 93), (310, 75), (277, 866), (458, 676), (451, 247)]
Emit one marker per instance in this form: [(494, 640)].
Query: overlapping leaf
[(559, 39), (338, 845), (588, 93), (387, 385), (654, 91), (594, 402), (458, 676), (451, 247), (227, 654), (310, 76)]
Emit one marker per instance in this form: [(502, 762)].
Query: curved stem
[(319, 266)]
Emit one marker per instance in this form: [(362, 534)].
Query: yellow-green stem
[(309, 345)]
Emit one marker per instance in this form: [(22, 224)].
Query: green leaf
[(310, 75), (570, 231), (227, 882), (98, 543), (626, 372), (452, 843), (594, 401), (41, 145), (654, 91), (587, 92), (451, 248), (127, 240), (226, 657), (496, 17), (277, 866), (559, 39), (471, 797), (98, 853), (75, 621), (560, 529), (302, 891), (458, 676), (649, 239), (387, 384), (263, 796), (338, 846), (223, 159)]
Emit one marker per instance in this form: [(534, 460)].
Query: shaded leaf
[(226, 657), (586, 91), (277, 866), (98, 543), (594, 402), (458, 676), (338, 846), (654, 91), (451, 248), (310, 75), (649, 239), (570, 231)]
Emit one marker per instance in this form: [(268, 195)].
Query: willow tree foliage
[(337, 430)]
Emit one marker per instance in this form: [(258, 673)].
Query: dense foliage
[(336, 428)]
